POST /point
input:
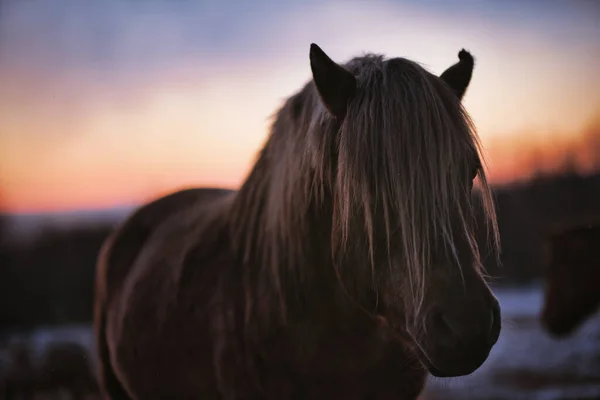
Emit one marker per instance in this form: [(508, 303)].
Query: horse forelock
[(403, 147)]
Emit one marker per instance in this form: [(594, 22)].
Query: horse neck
[(299, 295)]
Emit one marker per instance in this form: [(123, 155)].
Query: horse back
[(123, 246), (572, 290)]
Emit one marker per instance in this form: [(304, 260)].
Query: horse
[(572, 282), (344, 267)]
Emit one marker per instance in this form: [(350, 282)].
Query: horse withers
[(345, 266), (572, 279)]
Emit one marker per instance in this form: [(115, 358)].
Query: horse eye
[(476, 168), (474, 173)]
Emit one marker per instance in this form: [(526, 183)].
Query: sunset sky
[(106, 103)]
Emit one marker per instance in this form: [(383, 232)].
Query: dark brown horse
[(572, 292), (345, 266)]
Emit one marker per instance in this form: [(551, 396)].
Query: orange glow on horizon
[(106, 187)]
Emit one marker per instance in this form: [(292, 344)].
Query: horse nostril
[(496, 319), (466, 326), (442, 325), (492, 321), (444, 330)]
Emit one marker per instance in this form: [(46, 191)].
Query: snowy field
[(528, 364), (525, 363)]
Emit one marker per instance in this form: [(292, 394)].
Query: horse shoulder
[(154, 323)]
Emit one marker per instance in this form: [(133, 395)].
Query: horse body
[(572, 290), (327, 274), (168, 311)]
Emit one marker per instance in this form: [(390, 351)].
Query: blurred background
[(107, 104)]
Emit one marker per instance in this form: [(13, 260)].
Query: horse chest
[(351, 375)]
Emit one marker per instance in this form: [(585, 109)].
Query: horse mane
[(386, 180)]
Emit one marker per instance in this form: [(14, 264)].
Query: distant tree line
[(529, 211), (50, 280)]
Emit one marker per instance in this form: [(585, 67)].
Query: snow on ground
[(526, 363), (40, 340)]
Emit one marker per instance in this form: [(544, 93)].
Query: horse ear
[(458, 76), (335, 85)]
